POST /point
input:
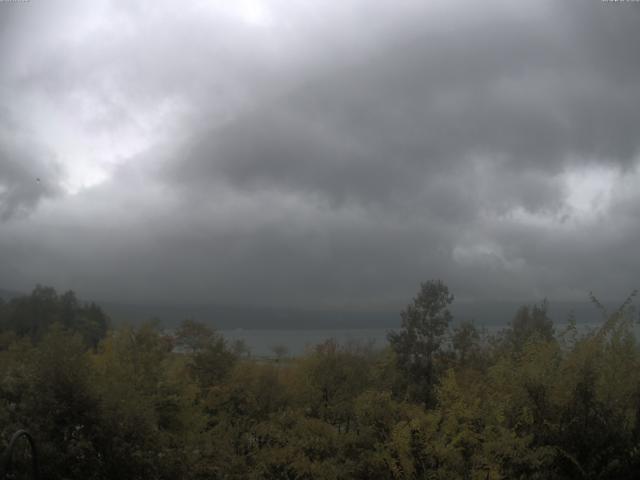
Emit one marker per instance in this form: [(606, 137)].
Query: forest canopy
[(443, 400)]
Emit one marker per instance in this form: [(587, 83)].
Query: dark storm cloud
[(446, 128), (529, 94), (318, 154)]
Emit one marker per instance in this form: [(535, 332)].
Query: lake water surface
[(261, 342)]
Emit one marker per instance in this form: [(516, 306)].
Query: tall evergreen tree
[(424, 325)]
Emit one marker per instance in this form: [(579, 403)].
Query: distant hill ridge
[(483, 313)]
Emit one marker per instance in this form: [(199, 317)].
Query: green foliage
[(530, 321), (32, 315), (210, 359), (465, 341), (147, 405), (424, 325)]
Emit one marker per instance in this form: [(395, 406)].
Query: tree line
[(444, 400)]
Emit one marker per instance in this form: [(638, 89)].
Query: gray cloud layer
[(21, 165), (320, 154)]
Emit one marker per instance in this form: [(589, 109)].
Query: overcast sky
[(320, 153)]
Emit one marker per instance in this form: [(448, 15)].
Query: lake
[(297, 341), (261, 342)]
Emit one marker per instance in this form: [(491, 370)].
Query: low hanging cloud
[(295, 153)]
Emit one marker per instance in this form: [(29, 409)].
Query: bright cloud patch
[(590, 190)]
